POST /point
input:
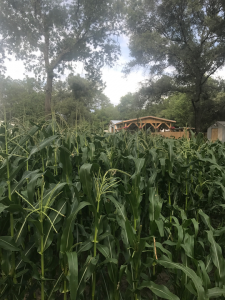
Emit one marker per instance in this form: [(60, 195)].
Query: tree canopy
[(180, 42), (48, 35), (78, 98), (182, 39), (22, 98)]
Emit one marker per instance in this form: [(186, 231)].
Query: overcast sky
[(116, 85)]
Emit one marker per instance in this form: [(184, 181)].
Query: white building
[(216, 131), (112, 125)]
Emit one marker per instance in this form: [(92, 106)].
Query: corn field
[(86, 215)]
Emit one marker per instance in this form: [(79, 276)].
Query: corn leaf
[(159, 290), (73, 274)]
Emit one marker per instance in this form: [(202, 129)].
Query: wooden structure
[(216, 131), (175, 134), (149, 122)]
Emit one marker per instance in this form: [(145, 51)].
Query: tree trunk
[(48, 95), (198, 120), (197, 112)]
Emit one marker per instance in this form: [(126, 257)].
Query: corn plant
[(91, 215)]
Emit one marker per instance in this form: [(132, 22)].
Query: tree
[(156, 89), (185, 35), (129, 106), (105, 114), (50, 34), (21, 98), (177, 107), (77, 98), (164, 98)]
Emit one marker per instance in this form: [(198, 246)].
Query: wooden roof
[(148, 117)]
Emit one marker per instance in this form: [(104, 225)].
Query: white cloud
[(118, 86), (220, 73), (15, 69)]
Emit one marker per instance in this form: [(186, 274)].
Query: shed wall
[(221, 132), (209, 132)]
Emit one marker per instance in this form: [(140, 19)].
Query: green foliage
[(49, 35), (128, 106), (78, 98), (75, 99), (178, 107), (187, 36), (163, 99), (22, 98), (110, 216)]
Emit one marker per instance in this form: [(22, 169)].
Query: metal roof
[(115, 121), (221, 122)]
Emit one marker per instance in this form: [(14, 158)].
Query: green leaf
[(155, 205), (51, 193), (118, 206), (188, 245), (43, 144), (66, 240), (86, 181), (91, 151), (160, 246), (86, 272), (164, 261), (205, 276), (31, 187), (16, 170), (196, 226), (179, 233), (205, 219), (122, 270), (73, 274), (216, 292), (36, 223), (2, 207), (26, 175), (4, 155), (14, 208), (160, 226), (24, 256), (19, 274), (25, 138), (139, 163), (54, 287), (8, 243), (103, 236), (159, 290), (66, 163), (217, 256), (105, 159), (130, 233), (54, 216), (85, 246), (103, 249)]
